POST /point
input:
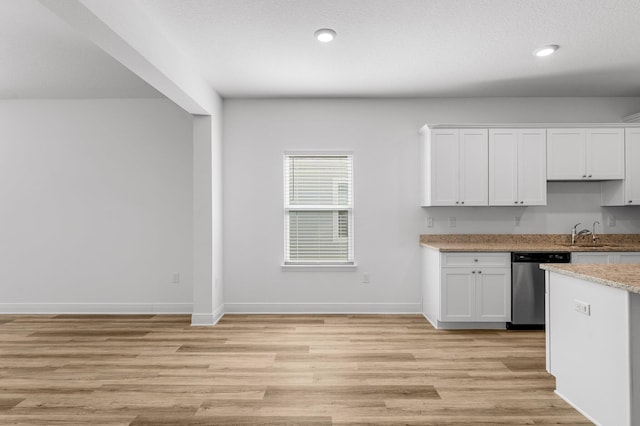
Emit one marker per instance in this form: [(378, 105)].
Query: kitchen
[(382, 133)]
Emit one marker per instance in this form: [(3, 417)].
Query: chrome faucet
[(575, 233), (594, 238)]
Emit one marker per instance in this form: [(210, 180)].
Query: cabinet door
[(566, 155), (605, 154), (444, 167), (599, 258), (631, 257), (474, 167), (532, 167), (476, 260), (503, 167), (493, 295), (632, 170), (457, 295)]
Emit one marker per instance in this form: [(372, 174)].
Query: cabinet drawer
[(476, 259)]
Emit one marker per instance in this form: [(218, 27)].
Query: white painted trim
[(318, 152), (200, 320), (319, 268), (633, 118), (434, 324), (568, 401), (95, 308), (471, 325), (440, 325), (322, 308)]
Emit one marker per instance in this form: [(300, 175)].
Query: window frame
[(288, 264)]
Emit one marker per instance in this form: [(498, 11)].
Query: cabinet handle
[(475, 260), (584, 176), (473, 272), (457, 202), (521, 202), (479, 272), (461, 202), (515, 202), (590, 175), (630, 201)]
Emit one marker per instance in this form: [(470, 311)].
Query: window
[(318, 193)]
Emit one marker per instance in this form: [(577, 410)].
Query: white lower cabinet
[(600, 258), (458, 295), (493, 294), (472, 290), (605, 258)]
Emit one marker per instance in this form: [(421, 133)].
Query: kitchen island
[(593, 339)]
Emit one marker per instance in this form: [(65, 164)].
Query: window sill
[(319, 268)]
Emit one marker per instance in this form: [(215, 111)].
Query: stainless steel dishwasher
[(527, 288)]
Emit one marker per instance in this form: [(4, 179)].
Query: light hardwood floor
[(270, 369)]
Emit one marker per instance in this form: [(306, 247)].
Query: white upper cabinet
[(585, 154), (455, 167), (627, 191), (517, 167), (566, 154)]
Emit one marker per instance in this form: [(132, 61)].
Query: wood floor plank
[(251, 348), (6, 403), (336, 392), (353, 357), (233, 420), (271, 369)]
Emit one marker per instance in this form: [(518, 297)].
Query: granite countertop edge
[(489, 248), (592, 278), (529, 243)]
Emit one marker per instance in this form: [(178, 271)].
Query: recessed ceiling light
[(325, 35), (546, 50)]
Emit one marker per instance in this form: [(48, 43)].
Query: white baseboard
[(433, 323), (440, 325), (322, 308), (96, 308), (579, 410), (208, 319)]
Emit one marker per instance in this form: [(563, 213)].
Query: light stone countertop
[(625, 276), (530, 243)]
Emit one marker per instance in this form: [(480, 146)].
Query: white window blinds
[(318, 193)]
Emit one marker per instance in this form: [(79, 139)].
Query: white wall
[(97, 206), (384, 137), (208, 296)]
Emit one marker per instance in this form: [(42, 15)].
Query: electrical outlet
[(452, 222), (429, 222), (175, 279), (582, 307), (611, 221), (365, 278)]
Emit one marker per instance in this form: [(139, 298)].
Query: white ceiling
[(42, 57), (409, 47), (384, 48)]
